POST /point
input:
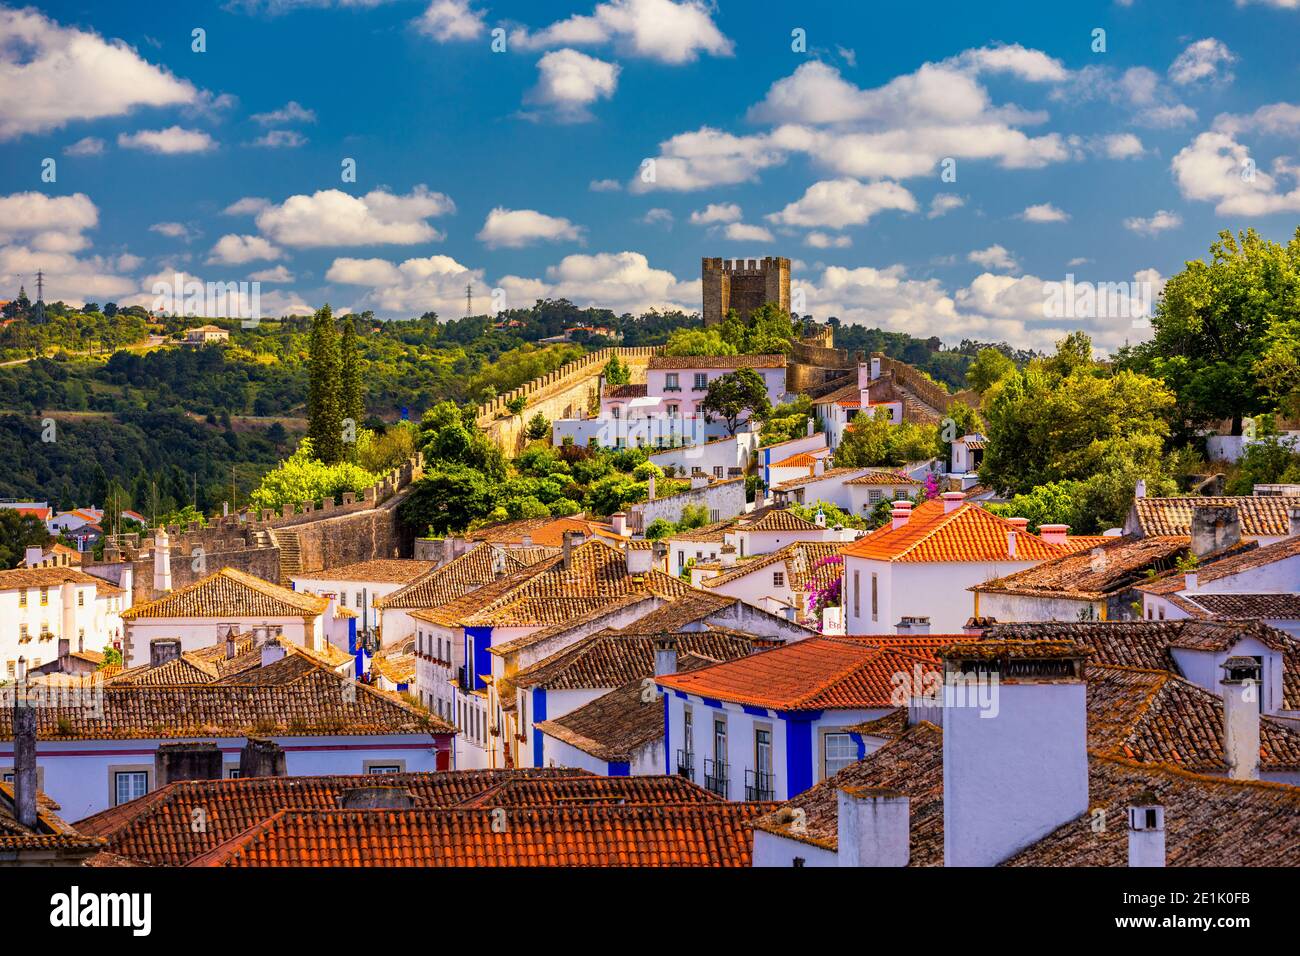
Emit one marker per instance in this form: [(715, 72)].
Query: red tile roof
[(671, 362), (966, 533)]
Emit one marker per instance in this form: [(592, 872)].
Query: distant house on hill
[(206, 334)]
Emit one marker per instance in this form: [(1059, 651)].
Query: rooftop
[(803, 560), (1260, 514), (384, 570), (1244, 560), (716, 361), (966, 533), (230, 593), (53, 576), (1110, 567), (480, 565)]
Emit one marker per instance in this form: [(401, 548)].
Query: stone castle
[(743, 285)]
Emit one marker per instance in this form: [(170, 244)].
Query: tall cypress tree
[(352, 405), (324, 408)]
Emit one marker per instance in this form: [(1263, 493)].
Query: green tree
[(351, 393), (698, 342), (304, 477), (447, 500), (324, 399), (732, 395), (539, 427), (17, 533), (865, 442), (990, 366), (1058, 502), (617, 371)]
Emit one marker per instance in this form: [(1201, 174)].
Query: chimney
[(1190, 581), (230, 644), (1011, 544), (65, 651), (1140, 489), (33, 556), (1214, 527), (819, 466), (975, 626), (952, 500), (1015, 748), (875, 367), (819, 519), (1146, 831), (566, 551), (526, 541), (728, 555), (25, 764), (186, 761), (902, 511), (618, 523), (376, 798), (1241, 692), (162, 563), (261, 758), (665, 654), (639, 560), (650, 488), (272, 651), (164, 649), (1293, 528), (812, 428), (913, 625), (1054, 533), (873, 827)]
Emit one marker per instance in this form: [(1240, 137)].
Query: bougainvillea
[(823, 586)]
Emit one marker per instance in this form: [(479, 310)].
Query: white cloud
[(1120, 146), (1138, 89), (414, 286), (51, 75), (515, 228), (1205, 60), (448, 20), (994, 257), (944, 203), (836, 203), (1044, 212), (716, 212), (236, 250), (820, 240), (739, 232), (330, 217), (174, 230), (248, 206), (169, 141), (664, 30), (291, 112), (1159, 221), (280, 139), (621, 281), (605, 185), (568, 82), (1275, 119), (1216, 168), (47, 223), (277, 274), (706, 157), (87, 146), (658, 217)]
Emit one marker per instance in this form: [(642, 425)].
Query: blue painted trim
[(482, 659), (860, 743), (668, 738), (682, 694), (798, 750), (710, 702), (754, 711), (620, 769), (539, 714)]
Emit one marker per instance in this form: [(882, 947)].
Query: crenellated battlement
[(743, 285)]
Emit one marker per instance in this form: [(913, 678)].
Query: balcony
[(686, 764), (759, 785), (715, 777), (464, 679)]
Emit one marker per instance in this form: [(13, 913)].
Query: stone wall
[(743, 285), (727, 498)]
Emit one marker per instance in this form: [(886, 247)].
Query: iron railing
[(715, 776)]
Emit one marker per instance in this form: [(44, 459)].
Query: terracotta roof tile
[(801, 559), (717, 361), (53, 576), (1260, 514), (478, 566), (966, 533), (230, 593), (1116, 564), (1246, 559), (882, 478), (828, 474), (386, 570)]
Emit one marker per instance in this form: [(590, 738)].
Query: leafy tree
[(111, 656), (1270, 459), (834, 514), (448, 499), (734, 394), (539, 427), (698, 342), (380, 453), (660, 528), (304, 477), (1058, 502), (789, 420), (17, 533), (991, 365), (865, 442), (324, 403), (1226, 330), (351, 392), (617, 371), (767, 330), (516, 405)]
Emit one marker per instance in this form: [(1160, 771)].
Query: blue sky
[(522, 170)]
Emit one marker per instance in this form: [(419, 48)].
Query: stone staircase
[(290, 555)]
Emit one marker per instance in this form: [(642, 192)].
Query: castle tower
[(743, 285)]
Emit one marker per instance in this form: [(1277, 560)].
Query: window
[(900, 494), (714, 516), (688, 730), (128, 785), (45, 596), (672, 411), (718, 471), (22, 632), (232, 773), (670, 382), (873, 495), (616, 411), (360, 599), (681, 559), (22, 598), (523, 710), (81, 599), (383, 768), (701, 381), (719, 740), (875, 597), (857, 590), (778, 579), (840, 751), (763, 751), (12, 668)]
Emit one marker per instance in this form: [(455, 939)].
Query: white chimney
[(1241, 690), (639, 560), (1190, 581), (566, 550), (665, 655), (872, 828), (1054, 533), (650, 488), (1015, 747), (902, 511), (1011, 544), (618, 522), (1146, 832), (952, 500), (812, 428), (728, 555), (904, 626), (162, 562), (526, 541), (819, 466), (1140, 489), (819, 519), (875, 367), (272, 651), (33, 556)]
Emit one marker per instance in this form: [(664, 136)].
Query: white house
[(362, 586), (923, 562), (777, 582), (780, 454), (771, 725), (828, 485), (43, 605)]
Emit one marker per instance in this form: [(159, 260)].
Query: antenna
[(469, 300), (40, 285)]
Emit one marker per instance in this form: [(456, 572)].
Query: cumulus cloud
[(331, 217), (291, 112), (1044, 212), (1216, 168), (837, 203), (568, 82), (236, 250), (280, 139), (416, 285), (1207, 60), (1120, 146), (174, 230), (1275, 119), (170, 141), (740, 232), (1157, 222), (664, 30), (658, 217), (87, 146), (248, 206), (450, 20), (715, 213), (944, 203), (51, 75), (47, 223), (706, 157), (604, 185), (994, 257), (1139, 89), (820, 240), (277, 274), (515, 228)]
